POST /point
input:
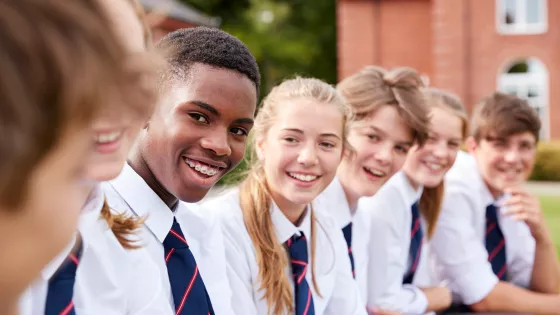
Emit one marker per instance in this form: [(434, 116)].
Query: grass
[(551, 209)]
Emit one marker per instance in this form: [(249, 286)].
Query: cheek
[(398, 162)]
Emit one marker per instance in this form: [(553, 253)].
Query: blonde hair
[(432, 197), (373, 87), (255, 194)]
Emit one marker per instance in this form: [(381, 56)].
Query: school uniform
[(101, 278), (475, 244), (332, 268), (197, 230), (333, 202), (396, 247)]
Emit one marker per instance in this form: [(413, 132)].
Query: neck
[(294, 212), (140, 166), (351, 197), (496, 193), (415, 185), (9, 306)]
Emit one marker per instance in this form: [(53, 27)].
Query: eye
[(290, 139), (327, 145), (373, 137), (453, 145), (401, 149), (239, 131), (432, 139), (199, 117)]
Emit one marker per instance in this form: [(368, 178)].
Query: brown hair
[(60, 64), (255, 195), (373, 87), (502, 115), (432, 197), (125, 225)]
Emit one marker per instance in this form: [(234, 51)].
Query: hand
[(523, 206), (379, 311)]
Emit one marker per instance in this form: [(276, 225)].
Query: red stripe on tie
[(289, 242), (302, 276), (490, 228), (180, 308), (177, 235), (496, 250), (67, 309), (349, 250), (308, 302), (73, 258), (416, 228), (299, 262), (416, 259), (502, 271), (169, 255)]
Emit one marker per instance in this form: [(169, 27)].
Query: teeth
[(434, 167), (375, 172), (107, 137), (201, 168), (302, 177)]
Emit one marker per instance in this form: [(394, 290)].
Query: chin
[(105, 172)]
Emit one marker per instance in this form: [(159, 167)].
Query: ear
[(471, 144), (259, 148)]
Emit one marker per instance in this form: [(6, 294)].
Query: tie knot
[(415, 210), (491, 212), (175, 237), (297, 246)]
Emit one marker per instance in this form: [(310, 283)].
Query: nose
[(308, 155), (441, 150), (384, 154), (512, 155), (217, 142)]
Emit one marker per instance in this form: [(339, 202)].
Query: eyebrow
[(322, 135), (215, 112)]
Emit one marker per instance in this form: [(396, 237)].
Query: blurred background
[(468, 47)]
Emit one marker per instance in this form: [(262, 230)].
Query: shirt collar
[(411, 195), (49, 270), (286, 229), (144, 202), (334, 199)]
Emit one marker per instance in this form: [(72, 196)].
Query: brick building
[(177, 15), (469, 47)]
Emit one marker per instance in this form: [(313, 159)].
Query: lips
[(375, 172), (205, 168), (303, 177)]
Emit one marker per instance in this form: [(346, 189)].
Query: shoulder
[(227, 213)]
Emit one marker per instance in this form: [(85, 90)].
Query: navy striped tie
[(61, 286), (495, 243), (347, 231), (189, 293), (297, 246), (415, 250)]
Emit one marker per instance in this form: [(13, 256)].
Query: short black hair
[(210, 46)]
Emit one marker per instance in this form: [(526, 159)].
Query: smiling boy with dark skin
[(196, 135)]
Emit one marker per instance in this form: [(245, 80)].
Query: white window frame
[(521, 82), (521, 27)]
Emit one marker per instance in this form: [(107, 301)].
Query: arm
[(506, 297), (543, 266), (345, 298), (386, 266), (439, 298)]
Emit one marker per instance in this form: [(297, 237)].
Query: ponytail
[(430, 206), (123, 226)]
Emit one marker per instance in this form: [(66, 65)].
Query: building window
[(528, 79), (521, 16)]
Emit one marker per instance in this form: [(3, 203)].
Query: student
[(103, 270), (492, 243), (390, 116), (196, 135), (47, 107), (282, 256), (404, 212)]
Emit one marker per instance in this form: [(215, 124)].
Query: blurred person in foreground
[(56, 76)]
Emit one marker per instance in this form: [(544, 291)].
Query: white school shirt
[(333, 202), (390, 217), (332, 266), (107, 279), (459, 241), (130, 192)]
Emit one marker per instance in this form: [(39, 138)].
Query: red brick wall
[(455, 42)]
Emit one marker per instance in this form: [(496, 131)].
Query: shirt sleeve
[(345, 298), (459, 251), (386, 265)]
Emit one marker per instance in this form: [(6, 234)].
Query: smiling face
[(115, 129), (199, 131), (301, 150), (504, 162), (381, 142), (428, 164)]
